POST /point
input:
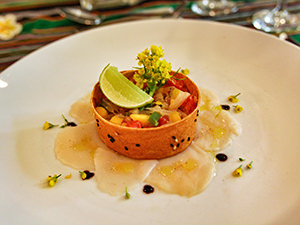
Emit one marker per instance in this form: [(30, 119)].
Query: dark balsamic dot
[(221, 157), (172, 145), (177, 145), (148, 189), (182, 140), (126, 148), (188, 139), (225, 107), (137, 145), (173, 137)]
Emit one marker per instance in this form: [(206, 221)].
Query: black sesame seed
[(108, 136), (188, 139), (112, 140), (126, 148), (182, 140), (97, 120), (177, 145), (195, 120), (225, 107), (172, 145), (221, 157), (97, 124), (137, 145), (173, 137)]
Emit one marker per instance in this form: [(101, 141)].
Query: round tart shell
[(147, 143)]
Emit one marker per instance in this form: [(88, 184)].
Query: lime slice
[(120, 91)]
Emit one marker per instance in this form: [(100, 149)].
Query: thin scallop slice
[(82, 110), (208, 99), (115, 172), (75, 146), (216, 128), (185, 174)]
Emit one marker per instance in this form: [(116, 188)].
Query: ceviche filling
[(172, 100)]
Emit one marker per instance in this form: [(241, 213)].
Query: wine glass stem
[(281, 5)]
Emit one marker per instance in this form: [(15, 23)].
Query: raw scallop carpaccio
[(185, 174)]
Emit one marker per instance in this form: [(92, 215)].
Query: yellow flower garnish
[(83, 175), (238, 172), (52, 180), (154, 72), (238, 108), (185, 71), (249, 166), (233, 98), (9, 27), (48, 125)]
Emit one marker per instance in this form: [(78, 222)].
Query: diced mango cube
[(143, 118), (102, 111), (116, 120), (175, 93), (174, 116)]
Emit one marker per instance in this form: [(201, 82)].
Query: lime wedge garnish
[(121, 91)]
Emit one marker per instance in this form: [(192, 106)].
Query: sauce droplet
[(225, 107), (148, 189), (221, 157)]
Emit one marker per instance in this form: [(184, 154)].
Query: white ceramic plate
[(223, 58)]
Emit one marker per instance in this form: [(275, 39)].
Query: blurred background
[(26, 25)]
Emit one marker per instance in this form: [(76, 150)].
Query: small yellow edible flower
[(48, 125), (185, 71), (83, 175), (52, 180), (238, 172), (238, 108), (249, 166), (9, 27), (233, 98), (157, 51)]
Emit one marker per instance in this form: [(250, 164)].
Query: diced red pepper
[(189, 104), (176, 83), (134, 124), (163, 120)]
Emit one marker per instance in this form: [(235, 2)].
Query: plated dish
[(220, 58)]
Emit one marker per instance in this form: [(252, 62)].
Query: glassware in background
[(106, 4), (214, 7), (276, 20)]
